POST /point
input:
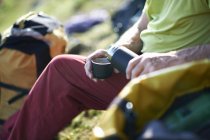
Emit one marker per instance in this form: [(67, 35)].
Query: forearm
[(194, 53), (131, 38)]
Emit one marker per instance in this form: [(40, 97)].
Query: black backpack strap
[(130, 118), (21, 91), (1, 122), (30, 45)]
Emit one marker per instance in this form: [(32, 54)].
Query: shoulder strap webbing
[(21, 91)]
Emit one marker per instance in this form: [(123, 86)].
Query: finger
[(98, 53), (137, 70), (88, 68), (88, 64), (148, 69), (132, 63), (95, 80), (116, 71), (145, 71)]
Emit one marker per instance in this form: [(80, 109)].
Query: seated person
[(167, 33)]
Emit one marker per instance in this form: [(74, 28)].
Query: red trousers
[(61, 92)]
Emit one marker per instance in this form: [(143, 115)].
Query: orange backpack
[(26, 48)]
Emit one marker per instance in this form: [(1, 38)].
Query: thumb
[(116, 70)]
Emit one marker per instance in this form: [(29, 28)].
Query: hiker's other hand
[(88, 66), (150, 62)]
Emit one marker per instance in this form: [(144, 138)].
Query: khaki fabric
[(21, 69), (17, 69)]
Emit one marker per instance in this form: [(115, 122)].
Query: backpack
[(177, 96), (26, 48)]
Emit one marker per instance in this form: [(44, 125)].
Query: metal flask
[(119, 57)]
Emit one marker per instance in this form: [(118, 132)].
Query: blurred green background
[(100, 36)]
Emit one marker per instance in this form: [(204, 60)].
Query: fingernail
[(127, 77), (95, 80)]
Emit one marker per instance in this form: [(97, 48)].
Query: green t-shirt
[(176, 24)]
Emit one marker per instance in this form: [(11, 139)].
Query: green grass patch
[(81, 126), (10, 10)]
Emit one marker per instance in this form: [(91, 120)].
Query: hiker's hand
[(88, 66), (149, 62)]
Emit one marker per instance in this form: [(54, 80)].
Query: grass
[(10, 10), (100, 36), (81, 126)]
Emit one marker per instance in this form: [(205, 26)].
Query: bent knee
[(66, 59)]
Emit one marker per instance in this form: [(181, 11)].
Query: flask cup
[(101, 68), (119, 57)]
